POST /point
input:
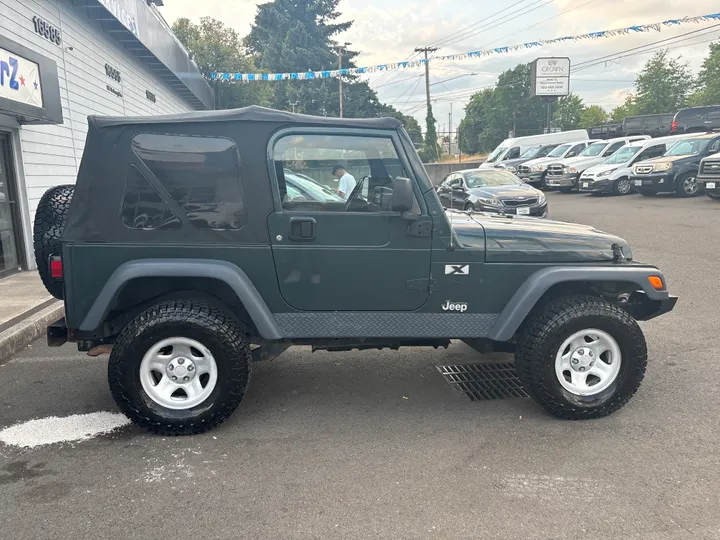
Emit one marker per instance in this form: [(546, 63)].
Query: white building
[(60, 61)]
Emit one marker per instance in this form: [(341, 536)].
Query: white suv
[(533, 171)]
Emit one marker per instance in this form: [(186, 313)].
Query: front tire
[(581, 357), (179, 368), (686, 185), (469, 207), (622, 186)]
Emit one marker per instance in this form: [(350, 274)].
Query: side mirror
[(403, 197)]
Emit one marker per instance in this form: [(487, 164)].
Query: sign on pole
[(550, 77)]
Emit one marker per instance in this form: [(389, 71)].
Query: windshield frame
[(602, 145), (692, 141), (512, 180), (565, 147), (618, 152), (495, 156)]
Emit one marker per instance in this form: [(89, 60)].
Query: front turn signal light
[(656, 283)]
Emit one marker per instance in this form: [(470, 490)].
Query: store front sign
[(29, 86), (20, 79)]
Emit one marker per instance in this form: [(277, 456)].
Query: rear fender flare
[(223, 271), (528, 295)]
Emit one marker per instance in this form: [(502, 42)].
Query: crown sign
[(552, 62)]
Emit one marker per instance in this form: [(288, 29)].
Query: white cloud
[(387, 32)]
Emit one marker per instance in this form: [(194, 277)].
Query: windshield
[(594, 149), (481, 179), (688, 147), (306, 188), (537, 151), (499, 151), (560, 150), (623, 155)]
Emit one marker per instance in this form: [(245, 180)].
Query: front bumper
[(711, 184), (660, 308), (565, 180), (536, 210), (655, 182), (596, 185), (531, 178)]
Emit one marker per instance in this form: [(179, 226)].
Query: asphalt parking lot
[(376, 444)]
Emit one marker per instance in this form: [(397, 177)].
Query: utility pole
[(340, 49), (293, 104), (427, 50), (450, 131)]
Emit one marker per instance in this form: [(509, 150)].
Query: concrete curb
[(28, 330)]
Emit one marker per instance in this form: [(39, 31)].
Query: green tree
[(430, 150), (619, 113), (592, 116), (477, 112), (568, 112), (707, 85), (663, 85), (217, 48)]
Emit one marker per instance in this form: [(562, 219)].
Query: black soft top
[(253, 113)]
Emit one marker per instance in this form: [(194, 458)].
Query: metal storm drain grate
[(484, 381)]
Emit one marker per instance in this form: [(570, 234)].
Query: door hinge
[(419, 285), (420, 228)]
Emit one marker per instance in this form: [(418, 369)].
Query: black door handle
[(302, 229)]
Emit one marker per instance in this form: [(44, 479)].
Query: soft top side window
[(201, 174)]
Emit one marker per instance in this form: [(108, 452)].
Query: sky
[(390, 34)]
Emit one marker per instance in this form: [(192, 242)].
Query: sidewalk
[(26, 309)]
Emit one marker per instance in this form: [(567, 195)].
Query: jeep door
[(357, 254)]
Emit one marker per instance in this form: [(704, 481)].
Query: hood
[(511, 162), (597, 169), (502, 192), (671, 159), (532, 240), (582, 161), (541, 161)]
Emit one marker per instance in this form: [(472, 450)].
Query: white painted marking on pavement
[(54, 429)]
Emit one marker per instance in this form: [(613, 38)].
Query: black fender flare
[(530, 292), (223, 271)]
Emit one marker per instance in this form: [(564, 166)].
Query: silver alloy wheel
[(178, 373), (690, 185), (624, 186), (588, 362)]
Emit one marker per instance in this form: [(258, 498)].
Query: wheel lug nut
[(186, 379), (181, 360), (171, 367), (190, 368), (575, 361), (174, 378), (581, 351)]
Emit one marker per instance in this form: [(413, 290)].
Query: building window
[(201, 174), (142, 206)]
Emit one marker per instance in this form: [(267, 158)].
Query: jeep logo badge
[(454, 306)]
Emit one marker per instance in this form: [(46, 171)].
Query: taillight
[(56, 269), (673, 127)]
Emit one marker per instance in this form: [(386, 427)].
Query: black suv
[(655, 125), (677, 170), (182, 255), (696, 119)]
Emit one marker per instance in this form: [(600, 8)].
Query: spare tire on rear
[(49, 223)]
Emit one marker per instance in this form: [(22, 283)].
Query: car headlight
[(537, 168), (489, 202), (662, 166), (511, 169), (606, 173), (571, 170), (541, 197)]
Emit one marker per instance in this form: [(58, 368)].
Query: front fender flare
[(223, 271), (527, 296)]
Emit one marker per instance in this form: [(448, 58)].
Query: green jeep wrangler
[(193, 244)]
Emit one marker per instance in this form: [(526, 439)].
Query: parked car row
[(682, 164)]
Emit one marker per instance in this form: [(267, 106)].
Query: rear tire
[(140, 374), (543, 184), (50, 219), (686, 185), (540, 361)]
